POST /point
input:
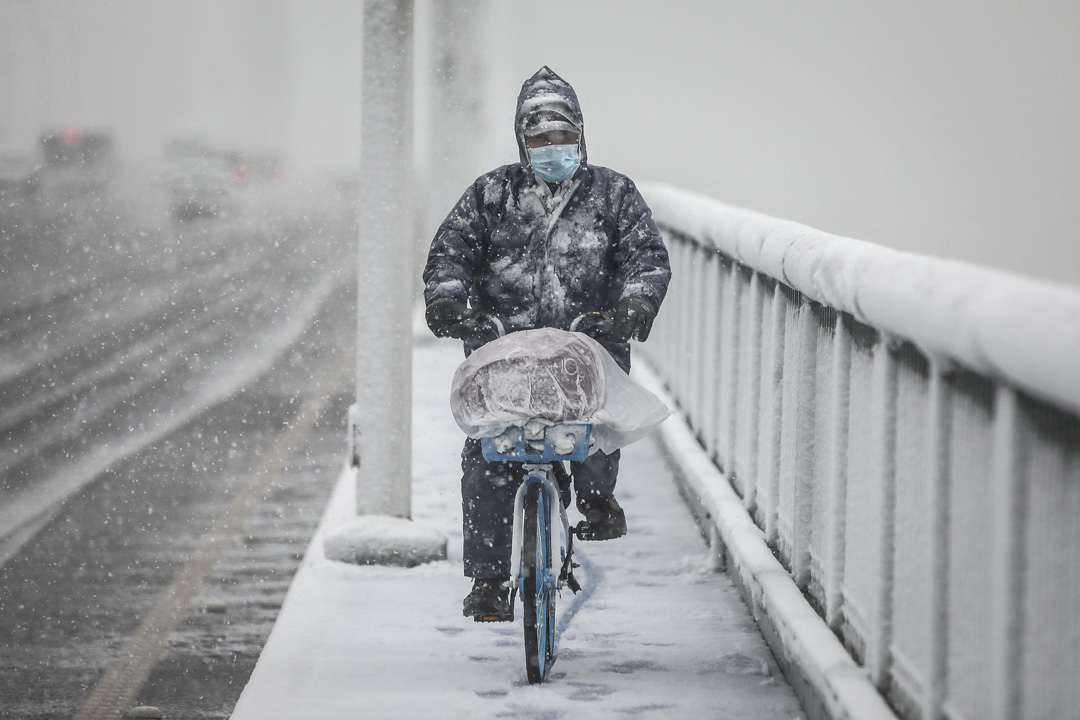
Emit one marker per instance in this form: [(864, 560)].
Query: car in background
[(211, 181), (200, 186), (76, 161), (75, 146), (254, 168)]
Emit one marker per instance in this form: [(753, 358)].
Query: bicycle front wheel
[(538, 583)]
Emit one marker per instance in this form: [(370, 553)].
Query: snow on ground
[(655, 634)]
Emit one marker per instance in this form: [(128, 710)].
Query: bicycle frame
[(560, 441), (544, 446), (537, 474)]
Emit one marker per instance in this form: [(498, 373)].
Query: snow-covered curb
[(1020, 330), (827, 680)]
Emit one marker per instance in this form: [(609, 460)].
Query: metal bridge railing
[(905, 431)]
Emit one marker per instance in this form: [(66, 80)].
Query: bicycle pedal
[(494, 618)]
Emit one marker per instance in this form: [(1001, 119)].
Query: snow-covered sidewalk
[(656, 633)]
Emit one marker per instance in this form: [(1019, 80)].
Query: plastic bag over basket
[(551, 376)]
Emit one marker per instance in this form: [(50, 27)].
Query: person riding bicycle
[(543, 242)]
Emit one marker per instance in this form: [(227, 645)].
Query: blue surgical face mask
[(555, 163)]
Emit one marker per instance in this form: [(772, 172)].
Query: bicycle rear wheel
[(538, 583)]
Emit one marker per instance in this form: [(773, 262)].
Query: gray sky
[(940, 128)]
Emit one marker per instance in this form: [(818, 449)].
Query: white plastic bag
[(552, 376)]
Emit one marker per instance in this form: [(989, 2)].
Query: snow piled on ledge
[(383, 540), (1018, 330)]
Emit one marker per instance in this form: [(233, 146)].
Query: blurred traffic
[(195, 181)]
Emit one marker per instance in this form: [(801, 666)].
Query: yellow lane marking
[(129, 671)]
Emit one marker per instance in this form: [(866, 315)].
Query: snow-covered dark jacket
[(539, 256)]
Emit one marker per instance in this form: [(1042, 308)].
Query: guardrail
[(905, 432)]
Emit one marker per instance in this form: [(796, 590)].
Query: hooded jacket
[(540, 255)]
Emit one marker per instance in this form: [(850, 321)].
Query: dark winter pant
[(487, 492)]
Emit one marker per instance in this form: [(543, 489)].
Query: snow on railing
[(905, 431)]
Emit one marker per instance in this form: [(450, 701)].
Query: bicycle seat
[(561, 441)]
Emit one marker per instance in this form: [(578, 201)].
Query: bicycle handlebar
[(597, 325)]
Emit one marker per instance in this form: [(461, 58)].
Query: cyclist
[(540, 243)]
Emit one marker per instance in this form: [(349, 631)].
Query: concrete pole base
[(383, 540)]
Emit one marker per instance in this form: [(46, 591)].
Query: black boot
[(488, 601), (604, 519)]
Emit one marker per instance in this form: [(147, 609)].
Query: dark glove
[(482, 327), (633, 319), (597, 325), (446, 317)]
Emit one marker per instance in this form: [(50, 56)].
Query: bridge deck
[(657, 632)]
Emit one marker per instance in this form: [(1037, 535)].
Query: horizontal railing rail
[(906, 433)]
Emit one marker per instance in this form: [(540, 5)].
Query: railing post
[(771, 417), (755, 363), (680, 280), (686, 330), (712, 332), (696, 361), (730, 382), (1009, 503), (713, 387), (836, 472), (940, 424), (802, 449), (884, 466)]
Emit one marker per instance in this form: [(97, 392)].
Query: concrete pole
[(382, 417), (7, 76), (456, 111), (380, 423)]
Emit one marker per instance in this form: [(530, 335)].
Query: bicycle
[(533, 572)]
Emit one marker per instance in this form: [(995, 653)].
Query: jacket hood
[(545, 89)]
